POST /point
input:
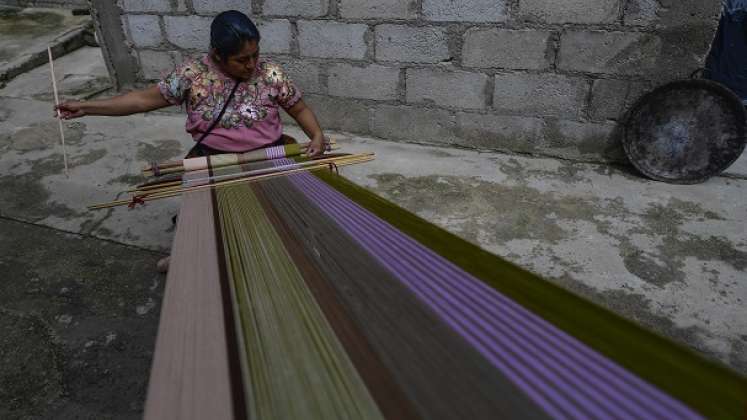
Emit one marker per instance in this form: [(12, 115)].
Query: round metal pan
[(686, 131)]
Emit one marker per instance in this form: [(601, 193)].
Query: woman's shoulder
[(193, 66), (272, 72)]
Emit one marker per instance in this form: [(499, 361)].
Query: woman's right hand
[(69, 110)]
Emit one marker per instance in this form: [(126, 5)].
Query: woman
[(232, 96)]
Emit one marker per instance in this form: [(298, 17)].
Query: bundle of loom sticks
[(307, 297)]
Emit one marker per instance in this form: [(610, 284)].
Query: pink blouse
[(252, 119)]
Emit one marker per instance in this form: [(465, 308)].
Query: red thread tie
[(135, 201)]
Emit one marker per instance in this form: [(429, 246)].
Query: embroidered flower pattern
[(206, 89)]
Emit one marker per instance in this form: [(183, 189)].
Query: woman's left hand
[(316, 147)]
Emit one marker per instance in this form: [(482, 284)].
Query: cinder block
[(146, 5), (276, 36), (585, 141), (411, 123), (145, 30), (326, 39), (540, 94), (500, 132), (305, 74), (458, 89), (370, 82), (378, 9), (306, 8), (213, 7), (624, 53), (641, 12), (570, 11), (465, 10), (610, 99), (189, 32), (156, 64), (672, 13), (503, 48), (411, 44), (339, 114)]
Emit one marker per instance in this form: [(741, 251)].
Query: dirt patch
[(45, 135), (481, 211), (26, 197), (78, 344), (27, 22), (27, 378)]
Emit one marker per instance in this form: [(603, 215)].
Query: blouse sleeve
[(288, 93), (175, 86)]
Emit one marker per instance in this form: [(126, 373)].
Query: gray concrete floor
[(80, 290)]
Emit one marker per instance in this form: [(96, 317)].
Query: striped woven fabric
[(307, 297), (230, 159)]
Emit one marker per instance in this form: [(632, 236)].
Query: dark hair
[(229, 31)]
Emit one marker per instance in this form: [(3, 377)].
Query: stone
[(378, 9), (457, 89), (504, 48), (540, 94), (587, 12), (583, 141), (641, 12), (326, 39), (465, 10), (500, 132), (144, 30), (156, 64), (339, 114), (146, 5), (213, 7), (305, 74), (188, 32), (305, 8), (398, 122), (623, 53), (275, 35), (403, 43), (610, 98), (370, 82)]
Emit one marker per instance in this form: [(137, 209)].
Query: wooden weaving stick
[(59, 114)]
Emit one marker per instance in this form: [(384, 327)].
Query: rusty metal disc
[(686, 131)]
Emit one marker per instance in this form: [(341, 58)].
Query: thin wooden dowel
[(174, 167), (59, 114), (330, 159), (172, 193)]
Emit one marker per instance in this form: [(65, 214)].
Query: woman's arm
[(305, 117), (130, 103)]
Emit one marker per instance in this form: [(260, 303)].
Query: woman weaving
[(250, 120), (232, 96)]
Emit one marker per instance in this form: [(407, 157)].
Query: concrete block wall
[(65, 4), (549, 77)]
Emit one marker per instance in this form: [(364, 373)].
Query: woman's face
[(241, 66)]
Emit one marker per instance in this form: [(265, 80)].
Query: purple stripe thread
[(561, 374)]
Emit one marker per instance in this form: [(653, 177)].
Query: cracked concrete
[(672, 258)]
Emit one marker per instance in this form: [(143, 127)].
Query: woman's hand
[(316, 147), (144, 100), (68, 110)]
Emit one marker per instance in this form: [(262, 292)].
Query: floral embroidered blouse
[(252, 118)]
